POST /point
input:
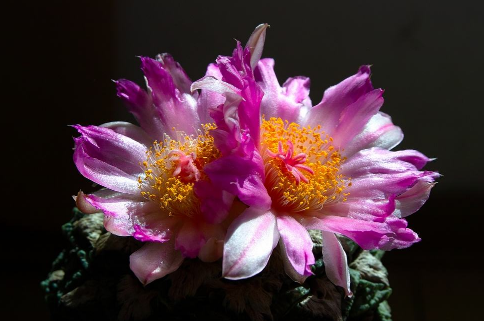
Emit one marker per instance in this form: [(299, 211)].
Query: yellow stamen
[(326, 184), (174, 193)]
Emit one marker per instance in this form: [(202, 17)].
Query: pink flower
[(155, 187), (300, 167)]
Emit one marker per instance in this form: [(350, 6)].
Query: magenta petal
[(180, 79), (177, 110), (354, 118), (368, 235), (155, 260), (249, 243), (298, 247), (241, 176), (140, 104), (335, 262), (108, 158), (378, 132), (337, 98), (214, 202)]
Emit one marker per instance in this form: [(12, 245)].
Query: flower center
[(173, 166), (302, 166)]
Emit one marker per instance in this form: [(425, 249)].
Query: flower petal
[(378, 132), (256, 43), (335, 262), (413, 199), (377, 161), (155, 260), (190, 239), (298, 247), (355, 117), (108, 158), (140, 104), (249, 243), (241, 176), (129, 130), (368, 235), (177, 110), (289, 102), (214, 202), (337, 98)]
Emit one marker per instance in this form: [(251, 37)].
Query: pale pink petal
[(335, 262), (212, 250), (155, 260), (285, 102), (249, 243), (256, 43), (413, 199), (298, 247), (132, 131), (377, 161), (378, 132), (190, 239)]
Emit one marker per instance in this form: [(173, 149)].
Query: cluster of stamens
[(302, 166), (173, 166)]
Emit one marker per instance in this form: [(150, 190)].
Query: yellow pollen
[(173, 166), (313, 156)]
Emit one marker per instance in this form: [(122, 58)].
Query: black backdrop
[(60, 57)]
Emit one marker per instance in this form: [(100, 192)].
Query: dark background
[(60, 57)]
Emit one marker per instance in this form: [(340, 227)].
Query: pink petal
[(256, 44), (378, 132), (140, 104), (190, 239), (177, 110), (132, 131), (298, 247), (413, 199), (108, 158), (155, 260), (249, 243), (335, 262), (376, 161), (336, 99), (286, 102), (369, 235), (214, 202), (355, 117), (212, 250), (128, 215), (241, 176)]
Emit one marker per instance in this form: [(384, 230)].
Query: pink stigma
[(185, 168), (293, 164)]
